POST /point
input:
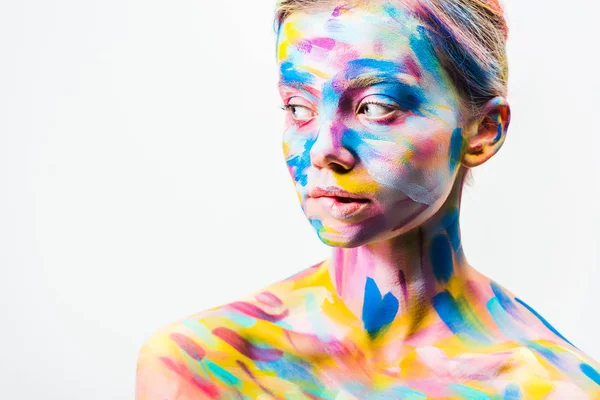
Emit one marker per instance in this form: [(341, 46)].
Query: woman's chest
[(425, 373)]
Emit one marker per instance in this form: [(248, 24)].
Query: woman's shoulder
[(539, 345), (201, 356), (173, 362)]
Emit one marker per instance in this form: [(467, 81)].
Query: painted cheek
[(425, 149), (297, 155), (400, 171)]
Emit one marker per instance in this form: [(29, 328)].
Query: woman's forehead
[(323, 41)]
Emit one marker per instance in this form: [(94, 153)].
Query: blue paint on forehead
[(423, 50), (363, 66), (392, 11), (291, 75)]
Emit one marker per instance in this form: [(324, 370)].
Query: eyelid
[(379, 103), (391, 104), (298, 105), (289, 105), (383, 118)]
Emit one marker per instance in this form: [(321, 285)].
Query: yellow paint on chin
[(329, 234), (330, 230)]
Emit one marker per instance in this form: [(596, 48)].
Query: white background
[(142, 180)]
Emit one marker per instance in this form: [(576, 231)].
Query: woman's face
[(372, 115)]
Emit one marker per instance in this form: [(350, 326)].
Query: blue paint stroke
[(289, 370), (512, 392), (449, 311), (316, 224), (291, 76), (377, 311), (224, 376), (242, 320), (468, 393), (456, 146), (499, 133), (299, 164), (361, 66), (441, 258), (451, 222), (503, 320), (590, 373), (504, 300), (545, 352), (546, 323), (405, 393)]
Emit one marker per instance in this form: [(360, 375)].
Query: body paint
[(396, 311)]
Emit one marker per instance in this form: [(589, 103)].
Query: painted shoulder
[(543, 347), (217, 353)]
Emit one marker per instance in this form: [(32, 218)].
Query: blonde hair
[(468, 37)]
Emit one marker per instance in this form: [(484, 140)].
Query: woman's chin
[(342, 235), (336, 233), (337, 240)]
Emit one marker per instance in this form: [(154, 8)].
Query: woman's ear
[(486, 134)]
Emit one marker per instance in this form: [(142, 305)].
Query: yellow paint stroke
[(291, 35)]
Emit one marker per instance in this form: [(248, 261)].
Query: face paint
[(371, 112)]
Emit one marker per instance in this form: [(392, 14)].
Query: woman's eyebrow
[(358, 74), (290, 76), (367, 80), (408, 82)]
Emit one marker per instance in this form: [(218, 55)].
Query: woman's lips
[(339, 203), (343, 207)]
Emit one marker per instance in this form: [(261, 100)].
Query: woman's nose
[(328, 151)]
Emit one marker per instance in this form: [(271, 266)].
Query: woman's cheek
[(432, 155), (296, 151), (415, 165)]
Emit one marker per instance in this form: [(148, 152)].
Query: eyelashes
[(292, 109), (304, 114), (391, 109)]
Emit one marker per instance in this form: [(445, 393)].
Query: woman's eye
[(377, 110), (299, 113)]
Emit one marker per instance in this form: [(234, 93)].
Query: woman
[(389, 105)]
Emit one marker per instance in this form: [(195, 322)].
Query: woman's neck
[(397, 278)]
